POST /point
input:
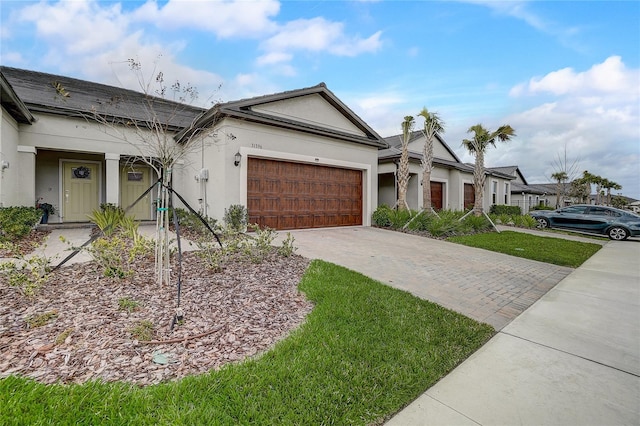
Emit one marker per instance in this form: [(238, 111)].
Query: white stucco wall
[(9, 177), (312, 109), (227, 183)]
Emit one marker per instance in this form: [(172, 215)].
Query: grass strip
[(365, 352), (552, 250)]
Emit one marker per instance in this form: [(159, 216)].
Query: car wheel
[(543, 222), (618, 233)]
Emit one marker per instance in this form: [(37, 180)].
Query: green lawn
[(544, 249), (365, 352)]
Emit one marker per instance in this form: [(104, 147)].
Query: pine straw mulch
[(88, 332)]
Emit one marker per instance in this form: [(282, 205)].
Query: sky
[(564, 74)]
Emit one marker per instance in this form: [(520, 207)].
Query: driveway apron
[(489, 287)]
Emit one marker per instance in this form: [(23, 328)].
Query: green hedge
[(16, 222), (502, 209)]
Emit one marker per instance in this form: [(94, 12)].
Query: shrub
[(476, 223), (422, 221), (16, 222), (542, 208), (236, 217), (26, 274), (399, 218), (445, 226), (192, 222), (502, 209), (108, 218), (287, 248), (382, 216)]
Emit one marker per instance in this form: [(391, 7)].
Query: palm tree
[(609, 185), (560, 178), (432, 126), (477, 146), (403, 170)]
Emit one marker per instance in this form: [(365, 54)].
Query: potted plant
[(47, 209)]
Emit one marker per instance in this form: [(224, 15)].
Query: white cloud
[(609, 77), (77, 27), (228, 18), (318, 35), (594, 113)]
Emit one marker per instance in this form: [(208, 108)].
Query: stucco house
[(296, 159), (451, 179)]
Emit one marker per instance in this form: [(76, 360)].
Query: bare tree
[(433, 125), (150, 127), (403, 169)]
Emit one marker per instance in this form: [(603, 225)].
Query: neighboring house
[(634, 206), (296, 159), (451, 180), (525, 195)]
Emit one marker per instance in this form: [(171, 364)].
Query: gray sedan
[(615, 223)]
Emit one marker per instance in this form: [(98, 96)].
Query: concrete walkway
[(486, 286), (573, 358)]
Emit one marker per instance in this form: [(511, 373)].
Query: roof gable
[(313, 110), (417, 140)]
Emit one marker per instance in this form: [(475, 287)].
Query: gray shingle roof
[(55, 94)]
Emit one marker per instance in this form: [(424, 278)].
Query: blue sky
[(564, 74)]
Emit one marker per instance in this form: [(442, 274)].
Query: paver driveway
[(486, 286)]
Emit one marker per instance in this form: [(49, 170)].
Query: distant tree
[(618, 201), (580, 189), (560, 178), (608, 186), (433, 125), (403, 169), (483, 139)]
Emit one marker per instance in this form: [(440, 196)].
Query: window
[(574, 210), (494, 192), (603, 211), (506, 193)]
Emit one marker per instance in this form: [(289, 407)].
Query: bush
[(476, 223), (192, 222), (502, 209), (382, 216), (17, 222), (108, 219), (236, 217), (542, 208)]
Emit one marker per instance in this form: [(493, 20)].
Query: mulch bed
[(89, 334)]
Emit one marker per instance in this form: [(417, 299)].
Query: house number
[(256, 145)]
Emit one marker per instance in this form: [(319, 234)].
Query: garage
[(288, 195)]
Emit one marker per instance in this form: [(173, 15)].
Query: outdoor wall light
[(4, 164), (237, 158)]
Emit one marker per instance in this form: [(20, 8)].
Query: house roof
[(55, 94), (396, 141), (513, 171), (393, 153), (13, 104), (244, 110)]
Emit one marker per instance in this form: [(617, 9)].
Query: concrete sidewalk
[(572, 358)]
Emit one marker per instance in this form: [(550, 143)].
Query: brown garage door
[(436, 195), (285, 195)]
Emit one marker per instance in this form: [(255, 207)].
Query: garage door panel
[(285, 195)]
